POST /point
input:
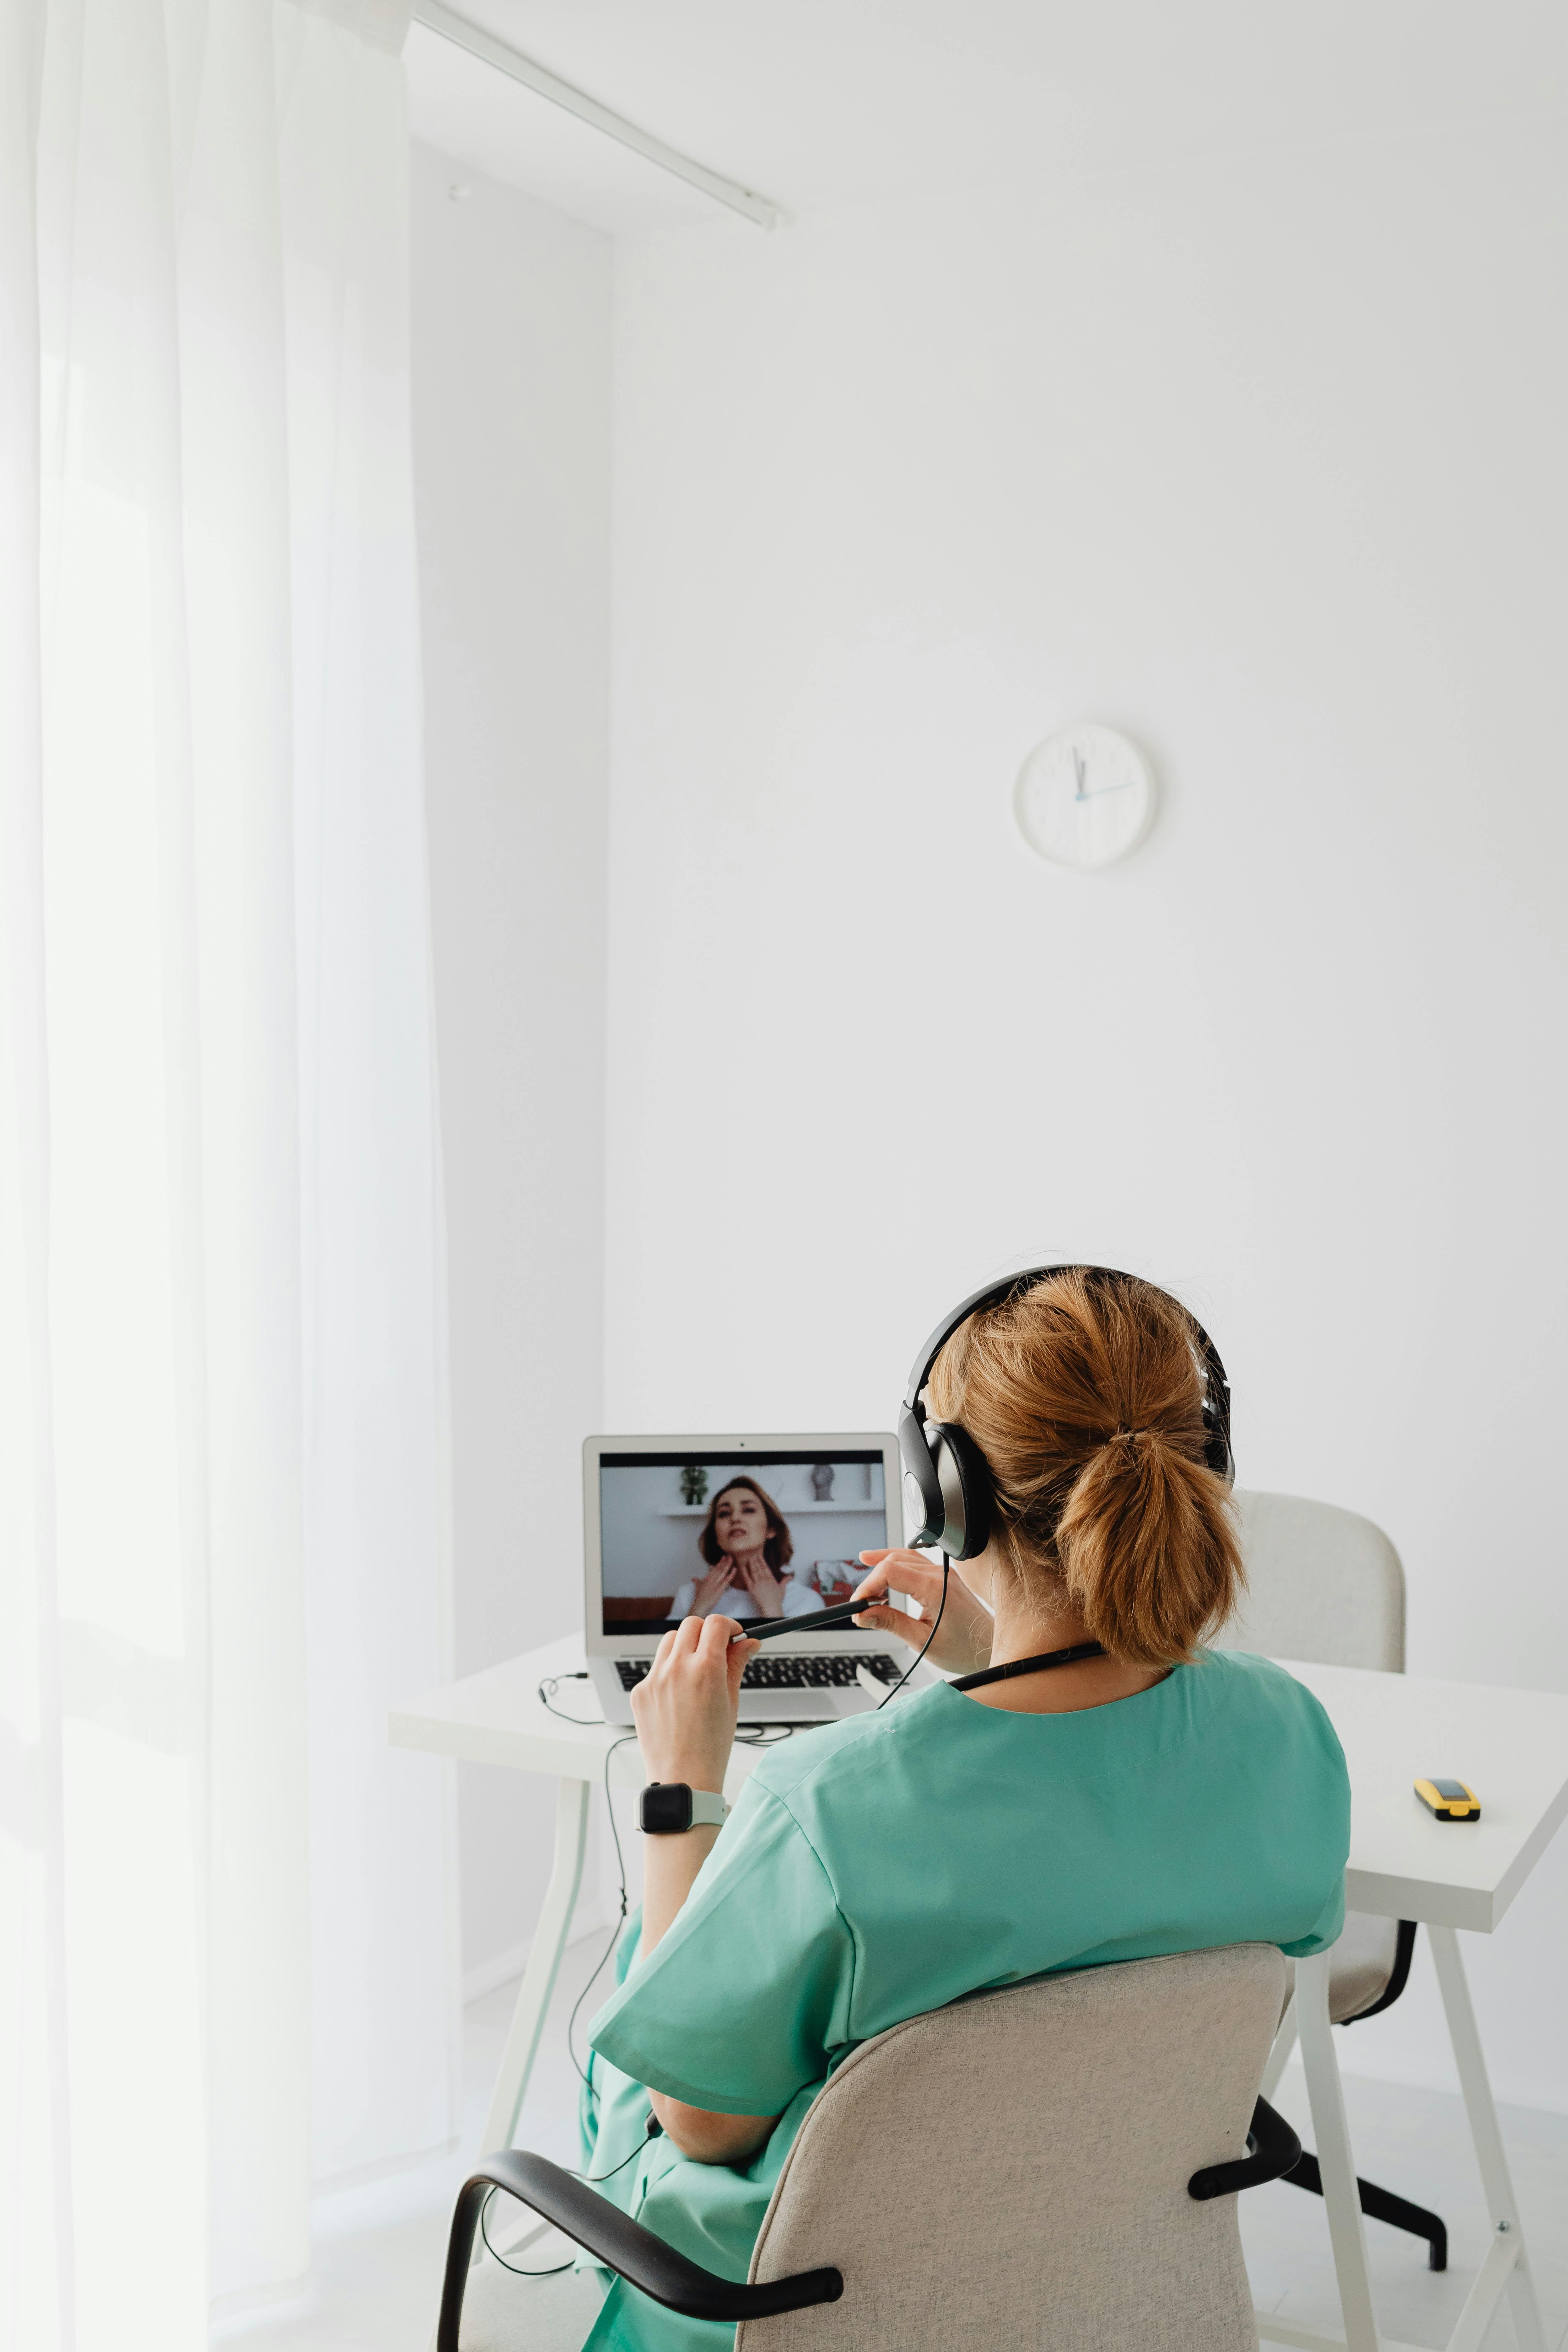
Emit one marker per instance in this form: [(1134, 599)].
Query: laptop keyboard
[(763, 1672)]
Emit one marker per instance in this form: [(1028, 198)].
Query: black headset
[(949, 1492)]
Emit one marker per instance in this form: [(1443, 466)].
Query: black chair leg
[(1383, 2205)]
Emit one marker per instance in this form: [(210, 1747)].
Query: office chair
[(1053, 2164), (1327, 1588)]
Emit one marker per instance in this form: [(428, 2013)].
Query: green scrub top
[(884, 1865)]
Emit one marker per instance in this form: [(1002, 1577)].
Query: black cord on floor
[(925, 1645)]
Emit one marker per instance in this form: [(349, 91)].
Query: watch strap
[(702, 1808)]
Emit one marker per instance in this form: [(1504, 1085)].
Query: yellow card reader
[(1449, 1800)]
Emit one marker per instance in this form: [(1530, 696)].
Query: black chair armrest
[(1274, 2151), (617, 2242)]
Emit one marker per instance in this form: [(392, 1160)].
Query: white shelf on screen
[(790, 1510)]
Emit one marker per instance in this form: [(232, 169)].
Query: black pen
[(768, 1629)]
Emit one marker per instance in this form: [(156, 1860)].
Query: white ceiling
[(832, 101)]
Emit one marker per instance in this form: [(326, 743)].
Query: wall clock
[(1085, 797)]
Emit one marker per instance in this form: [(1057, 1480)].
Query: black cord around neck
[(1042, 1665)]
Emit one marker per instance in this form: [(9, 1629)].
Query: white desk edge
[(495, 1718)]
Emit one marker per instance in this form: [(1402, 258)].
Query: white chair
[(1327, 1588), (1051, 2165)]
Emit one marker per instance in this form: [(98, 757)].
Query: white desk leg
[(1484, 2132), (1340, 2195), (543, 1959), (1284, 2043)]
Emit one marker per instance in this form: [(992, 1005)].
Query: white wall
[(511, 394), (1262, 460)]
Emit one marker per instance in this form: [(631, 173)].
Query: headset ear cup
[(966, 1490), (922, 1488)]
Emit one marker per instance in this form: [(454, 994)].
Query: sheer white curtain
[(226, 1935)]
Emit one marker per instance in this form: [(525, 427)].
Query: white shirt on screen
[(799, 1601)]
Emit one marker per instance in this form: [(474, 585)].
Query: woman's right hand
[(710, 1589), (962, 1642)]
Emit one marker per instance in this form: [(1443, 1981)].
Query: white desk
[(1512, 1746)]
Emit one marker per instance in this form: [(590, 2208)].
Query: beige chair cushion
[(1327, 1588), (1360, 1964), (1012, 2172)]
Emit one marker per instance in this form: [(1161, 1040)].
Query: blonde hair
[(1085, 1395)]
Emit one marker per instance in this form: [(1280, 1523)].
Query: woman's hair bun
[(1085, 1394)]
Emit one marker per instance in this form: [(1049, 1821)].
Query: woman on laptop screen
[(1150, 1795), (746, 1549)]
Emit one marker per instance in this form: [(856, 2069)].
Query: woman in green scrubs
[(1160, 1798)]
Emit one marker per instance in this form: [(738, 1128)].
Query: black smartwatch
[(667, 1807)]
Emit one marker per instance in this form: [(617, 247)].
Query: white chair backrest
[(1322, 1585), (1011, 2172)]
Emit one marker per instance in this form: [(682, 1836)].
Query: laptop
[(739, 1527)]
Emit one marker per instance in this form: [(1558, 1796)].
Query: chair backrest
[(1012, 2171), (1322, 1585)]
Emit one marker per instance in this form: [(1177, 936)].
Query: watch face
[(666, 1807), (1084, 797)]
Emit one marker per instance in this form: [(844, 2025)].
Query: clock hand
[(1081, 795)]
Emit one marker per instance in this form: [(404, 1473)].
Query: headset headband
[(992, 1296), (1216, 1412)]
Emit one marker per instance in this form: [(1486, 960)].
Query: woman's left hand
[(686, 1705), (765, 1588), (710, 1589), (962, 1640)]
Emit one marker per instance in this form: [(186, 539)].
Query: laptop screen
[(735, 1535)]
